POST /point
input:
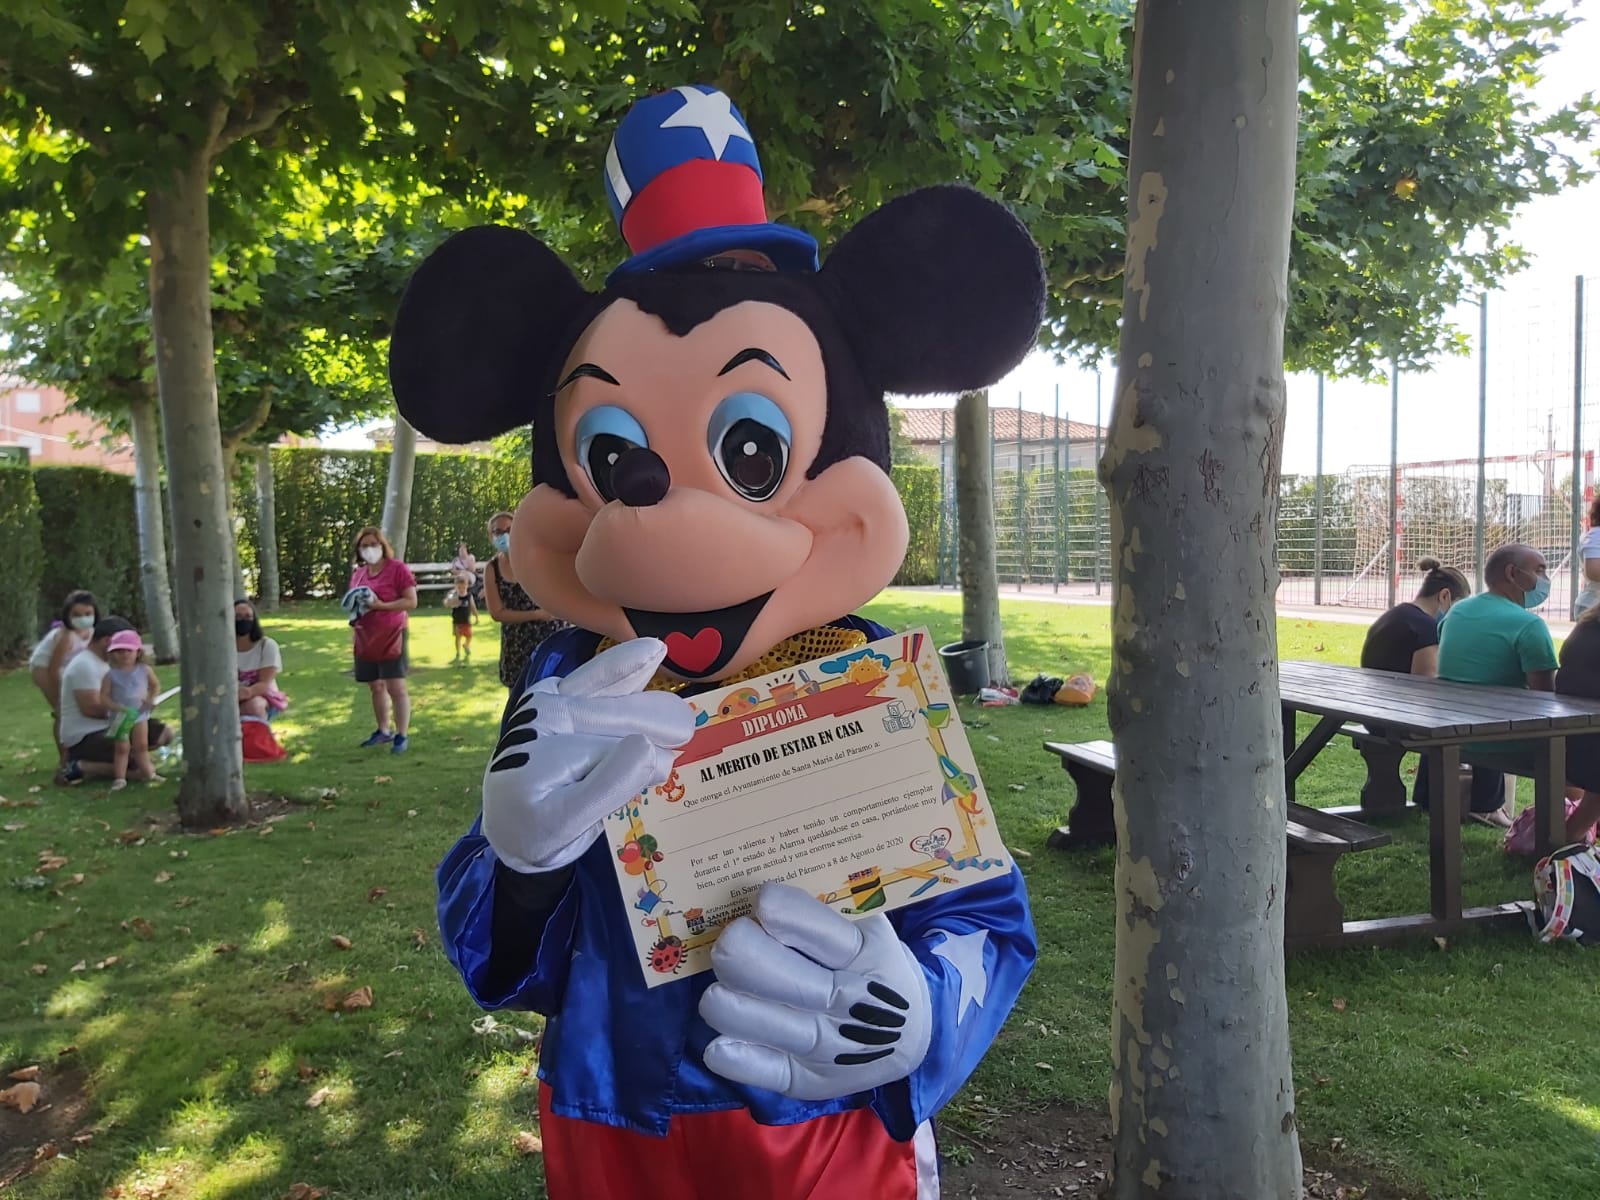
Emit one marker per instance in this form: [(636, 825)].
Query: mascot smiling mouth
[(698, 643)]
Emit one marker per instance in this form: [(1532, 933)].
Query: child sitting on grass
[(463, 614), (129, 690)]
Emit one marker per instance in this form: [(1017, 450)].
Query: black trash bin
[(967, 665)]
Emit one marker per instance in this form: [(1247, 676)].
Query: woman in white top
[(59, 647), (1589, 550), (259, 663)]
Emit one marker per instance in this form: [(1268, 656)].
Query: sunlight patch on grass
[(197, 1123), (76, 999), (248, 1164), (1585, 1116), (401, 1136), (275, 930)]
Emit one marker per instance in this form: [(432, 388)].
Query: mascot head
[(710, 439)]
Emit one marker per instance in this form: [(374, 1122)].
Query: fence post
[(1577, 442), (1316, 550), (1095, 493), (1024, 559), (1483, 431), (1055, 459), (1394, 482)]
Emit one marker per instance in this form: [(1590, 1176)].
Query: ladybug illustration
[(666, 956)]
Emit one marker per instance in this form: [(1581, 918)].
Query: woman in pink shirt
[(380, 635)]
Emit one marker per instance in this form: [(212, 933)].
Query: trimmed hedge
[(325, 496), (919, 494), (21, 561), (90, 538)]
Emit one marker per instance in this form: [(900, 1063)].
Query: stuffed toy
[(711, 502)]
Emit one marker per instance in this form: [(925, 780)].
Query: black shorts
[(98, 748), (389, 668)]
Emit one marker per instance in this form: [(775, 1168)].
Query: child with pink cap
[(129, 690)]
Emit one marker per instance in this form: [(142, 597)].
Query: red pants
[(727, 1156)]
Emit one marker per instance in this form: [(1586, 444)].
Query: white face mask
[(83, 623), (372, 554)]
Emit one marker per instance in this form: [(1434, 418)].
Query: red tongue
[(694, 654)]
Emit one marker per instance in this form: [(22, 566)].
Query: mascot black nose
[(639, 478)]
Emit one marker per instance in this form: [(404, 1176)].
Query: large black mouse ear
[(941, 290), (482, 324)]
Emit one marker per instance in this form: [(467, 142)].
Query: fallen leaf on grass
[(25, 1074), (48, 1150), (14, 826), (225, 948), (80, 965), (340, 942), (50, 861), (130, 837), (360, 998), (35, 790), (106, 962), (411, 812), (183, 902), (66, 1050), (317, 1097), (1339, 1004), (74, 881), (39, 968), (164, 877), (1044, 1066), (383, 779), (328, 793), (330, 1002), (178, 853), (526, 1143), (420, 937), (142, 929), (22, 1096), (376, 893), (1017, 852), (265, 829), (304, 1191), (305, 1070), (1442, 943)]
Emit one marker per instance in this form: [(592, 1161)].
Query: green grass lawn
[(1463, 1069)]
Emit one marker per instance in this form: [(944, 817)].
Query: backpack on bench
[(1566, 896)]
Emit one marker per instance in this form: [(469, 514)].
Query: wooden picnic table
[(1439, 719)]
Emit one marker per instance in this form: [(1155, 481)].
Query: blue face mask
[(502, 542), (1539, 594)]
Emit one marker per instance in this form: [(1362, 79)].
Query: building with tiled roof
[(1034, 439)]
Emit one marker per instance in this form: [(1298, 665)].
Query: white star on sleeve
[(964, 952), (710, 113)]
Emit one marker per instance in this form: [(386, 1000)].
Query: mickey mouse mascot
[(711, 450)]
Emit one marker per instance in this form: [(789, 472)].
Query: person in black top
[(1406, 638), (1580, 676)]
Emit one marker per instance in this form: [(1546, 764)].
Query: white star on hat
[(964, 952), (712, 114)]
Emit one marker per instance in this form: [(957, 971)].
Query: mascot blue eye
[(605, 434), (749, 439)]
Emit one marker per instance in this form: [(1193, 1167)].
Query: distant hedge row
[(75, 527)]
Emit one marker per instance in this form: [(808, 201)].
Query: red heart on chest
[(694, 654)]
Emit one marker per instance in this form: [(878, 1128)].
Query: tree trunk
[(153, 571), (397, 495), (1202, 1099), (212, 790), (230, 472), (267, 584), (980, 585)]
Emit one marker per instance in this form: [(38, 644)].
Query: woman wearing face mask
[(523, 623), (379, 627), (1406, 638), (66, 639), (259, 664)]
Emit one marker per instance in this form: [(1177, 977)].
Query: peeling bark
[(268, 586), (154, 576), (397, 494), (980, 585), (212, 789), (1202, 1098)]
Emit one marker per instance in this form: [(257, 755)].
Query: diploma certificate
[(850, 777)]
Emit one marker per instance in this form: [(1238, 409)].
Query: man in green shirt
[(1494, 638)]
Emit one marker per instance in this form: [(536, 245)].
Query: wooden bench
[(1312, 912)]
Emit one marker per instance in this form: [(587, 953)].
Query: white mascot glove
[(577, 748), (812, 1005)]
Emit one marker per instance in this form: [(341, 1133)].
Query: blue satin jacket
[(619, 1053)]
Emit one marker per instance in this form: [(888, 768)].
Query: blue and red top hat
[(685, 185)]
